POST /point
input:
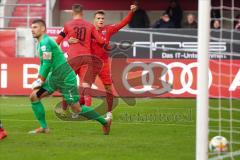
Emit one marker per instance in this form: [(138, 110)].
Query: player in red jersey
[(3, 133), (98, 50), (83, 31)]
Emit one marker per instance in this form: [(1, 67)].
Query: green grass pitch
[(152, 129), (161, 129)]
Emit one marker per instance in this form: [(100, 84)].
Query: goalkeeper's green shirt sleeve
[(46, 59), (44, 69)]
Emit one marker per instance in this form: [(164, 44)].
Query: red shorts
[(82, 65), (105, 75), (87, 67), (81, 72)]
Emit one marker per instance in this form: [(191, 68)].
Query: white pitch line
[(123, 123), (127, 123), (228, 155), (120, 105)]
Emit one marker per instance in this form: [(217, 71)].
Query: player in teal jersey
[(56, 74)]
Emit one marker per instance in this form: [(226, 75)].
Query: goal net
[(224, 107)]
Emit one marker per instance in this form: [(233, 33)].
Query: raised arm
[(125, 21)]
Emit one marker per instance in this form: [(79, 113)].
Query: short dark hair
[(99, 12), (77, 8), (40, 21)]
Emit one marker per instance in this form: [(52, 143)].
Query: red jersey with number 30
[(106, 33), (84, 32)]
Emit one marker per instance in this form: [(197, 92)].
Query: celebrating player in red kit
[(79, 54), (98, 50)]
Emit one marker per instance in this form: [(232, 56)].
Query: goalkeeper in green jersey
[(56, 74)]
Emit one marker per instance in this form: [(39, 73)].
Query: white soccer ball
[(218, 144)]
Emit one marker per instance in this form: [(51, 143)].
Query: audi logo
[(186, 70)]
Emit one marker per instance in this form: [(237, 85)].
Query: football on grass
[(218, 144)]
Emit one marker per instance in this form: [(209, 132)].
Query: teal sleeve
[(45, 69), (46, 59)]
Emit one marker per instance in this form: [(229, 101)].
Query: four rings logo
[(173, 73)]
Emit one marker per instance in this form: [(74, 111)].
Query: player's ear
[(43, 29)]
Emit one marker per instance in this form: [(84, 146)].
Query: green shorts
[(67, 87)]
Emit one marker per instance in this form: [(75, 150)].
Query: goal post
[(218, 114), (202, 79)]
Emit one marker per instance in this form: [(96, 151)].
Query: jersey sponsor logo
[(47, 55), (43, 48), (104, 32)]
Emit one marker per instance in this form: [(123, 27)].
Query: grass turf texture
[(152, 129)]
